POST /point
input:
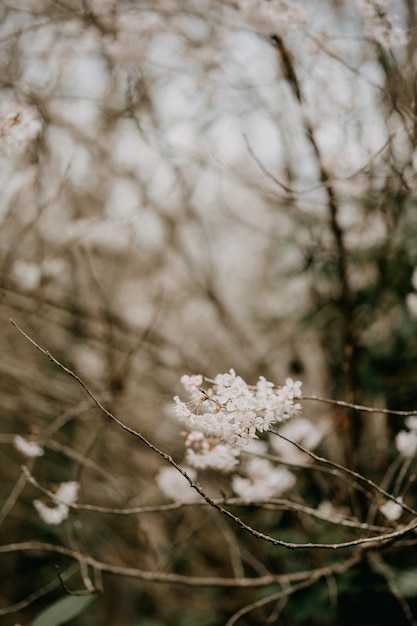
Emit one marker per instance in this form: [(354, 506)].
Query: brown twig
[(346, 470), (382, 538), (244, 582), (359, 407)]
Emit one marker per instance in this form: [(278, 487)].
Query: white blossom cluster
[(206, 453), (28, 276), (406, 440), (379, 25), (175, 486), (224, 418), (57, 510), (62, 498), (232, 411)]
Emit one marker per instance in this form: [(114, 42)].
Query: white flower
[(175, 486), (262, 481), (67, 493), (51, 515), (412, 422), (278, 404), (301, 431), (406, 443), (411, 301), (232, 411), (292, 388), (62, 498), (191, 383), (31, 449), (203, 453), (326, 509), (391, 510)]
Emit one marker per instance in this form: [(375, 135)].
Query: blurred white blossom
[(58, 510), (327, 509), (301, 431), (262, 481), (27, 276), (67, 493), (391, 510), (406, 442), (411, 300), (175, 486), (31, 449), (52, 515), (411, 422)]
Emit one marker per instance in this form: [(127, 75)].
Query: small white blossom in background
[(234, 412), (175, 486), (391, 510), (67, 493), (27, 276), (379, 25), (329, 511), (262, 481), (30, 449), (411, 298), (18, 128), (411, 423), (406, 442), (271, 18), (204, 453), (52, 515), (62, 499), (301, 431), (411, 301)]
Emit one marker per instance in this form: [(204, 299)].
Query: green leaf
[(61, 611)]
